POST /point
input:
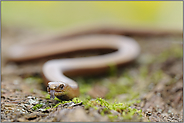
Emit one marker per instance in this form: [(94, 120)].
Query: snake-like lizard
[(93, 37)]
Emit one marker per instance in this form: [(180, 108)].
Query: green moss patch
[(124, 109), (37, 106)]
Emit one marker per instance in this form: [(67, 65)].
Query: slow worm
[(54, 71)]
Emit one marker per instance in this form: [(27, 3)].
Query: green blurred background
[(57, 14)]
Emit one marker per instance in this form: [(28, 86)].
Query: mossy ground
[(122, 83)]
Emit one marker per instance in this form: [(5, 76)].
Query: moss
[(57, 105), (112, 117), (123, 108), (105, 107), (57, 99), (37, 106), (47, 107), (47, 96), (76, 100)]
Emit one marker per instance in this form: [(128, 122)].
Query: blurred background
[(48, 15)]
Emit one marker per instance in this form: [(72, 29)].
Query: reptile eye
[(61, 86)]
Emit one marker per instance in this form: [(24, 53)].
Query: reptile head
[(56, 89)]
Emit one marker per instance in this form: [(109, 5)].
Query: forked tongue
[(52, 94)]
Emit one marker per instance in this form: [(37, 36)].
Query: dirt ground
[(160, 101)]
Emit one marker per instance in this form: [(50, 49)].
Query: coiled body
[(127, 49)]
